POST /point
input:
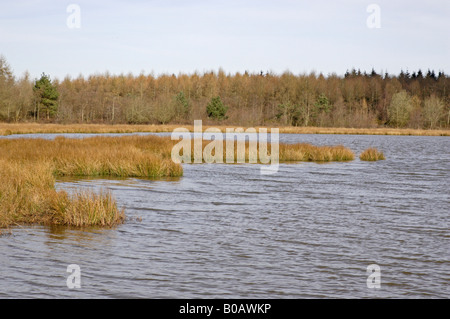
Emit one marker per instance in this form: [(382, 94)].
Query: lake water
[(226, 231)]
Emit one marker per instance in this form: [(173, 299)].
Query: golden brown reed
[(371, 154), (28, 168), (129, 156), (308, 152), (300, 152), (28, 196)]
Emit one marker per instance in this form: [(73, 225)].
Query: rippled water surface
[(226, 231)]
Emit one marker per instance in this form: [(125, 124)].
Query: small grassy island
[(371, 154)]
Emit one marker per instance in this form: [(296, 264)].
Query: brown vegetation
[(300, 152), (28, 168), (36, 128), (371, 154), (311, 153)]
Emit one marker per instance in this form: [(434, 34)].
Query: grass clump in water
[(371, 154), (85, 209), (28, 196)]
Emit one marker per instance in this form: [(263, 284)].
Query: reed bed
[(129, 156), (371, 154), (29, 169), (30, 128), (36, 128)]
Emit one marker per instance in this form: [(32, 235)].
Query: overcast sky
[(173, 36)]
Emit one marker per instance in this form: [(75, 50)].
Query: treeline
[(357, 99)]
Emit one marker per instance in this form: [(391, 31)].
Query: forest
[(357, 99)]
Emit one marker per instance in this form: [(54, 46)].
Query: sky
[(174, 36)]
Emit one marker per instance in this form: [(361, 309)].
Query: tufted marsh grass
[(371, 154)]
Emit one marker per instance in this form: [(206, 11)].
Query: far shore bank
[(38, 128)]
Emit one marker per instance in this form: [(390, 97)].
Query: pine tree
[(216, 109), (46, 97)]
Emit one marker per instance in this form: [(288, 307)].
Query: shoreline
[(37, 128)]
